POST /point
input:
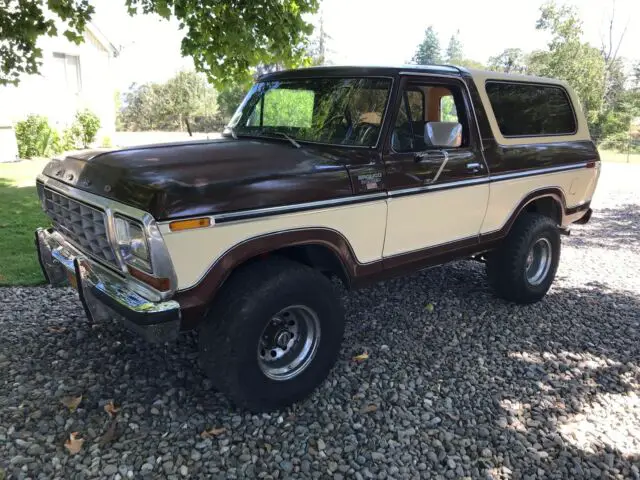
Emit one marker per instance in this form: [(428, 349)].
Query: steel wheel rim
[(289, 342), (538, 262)]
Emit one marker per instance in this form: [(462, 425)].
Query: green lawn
[(20, 214), (618, 157)]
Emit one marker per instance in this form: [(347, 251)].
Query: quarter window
[(523, 109)]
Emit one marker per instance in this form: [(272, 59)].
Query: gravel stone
[(475, 388)]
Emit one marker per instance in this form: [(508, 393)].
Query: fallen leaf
[(71, 402), (110, 434), (214, 432), (362, 357), (369, 409), (111, 409), (429, 307), (57, 329), (74, 444)]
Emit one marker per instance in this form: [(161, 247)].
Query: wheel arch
[(547, 201), (323, 249)]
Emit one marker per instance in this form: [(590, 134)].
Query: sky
[(374, 31)]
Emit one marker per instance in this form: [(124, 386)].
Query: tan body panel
[(193, 252), (577, 187), (425, 220), (383, 228)]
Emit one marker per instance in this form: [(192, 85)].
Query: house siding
[(45, 94)]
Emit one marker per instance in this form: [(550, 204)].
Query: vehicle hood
[(206, 177)]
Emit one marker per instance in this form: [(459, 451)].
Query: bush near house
[(36, 138), (87, 125)]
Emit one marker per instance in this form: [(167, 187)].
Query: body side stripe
[(285, 209)]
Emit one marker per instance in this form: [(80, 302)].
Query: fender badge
[(107, 188), (70, 176), (59, 173), (86, 182)]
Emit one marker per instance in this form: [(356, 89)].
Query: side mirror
[(443, 134)]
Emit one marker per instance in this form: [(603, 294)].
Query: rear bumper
[(104, 293), (584, 218)]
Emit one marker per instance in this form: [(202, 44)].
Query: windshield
[(340, 111)]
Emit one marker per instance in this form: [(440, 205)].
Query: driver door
[(438, 182)]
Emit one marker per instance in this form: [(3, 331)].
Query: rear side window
[(524, 109)]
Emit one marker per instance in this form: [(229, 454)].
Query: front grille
[(82, 225)]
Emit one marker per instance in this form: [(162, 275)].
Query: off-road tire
[(506, 266), (229, 337)]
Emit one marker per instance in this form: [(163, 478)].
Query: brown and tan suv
[(355, 172)]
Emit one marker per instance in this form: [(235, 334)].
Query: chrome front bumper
[(104, 293)]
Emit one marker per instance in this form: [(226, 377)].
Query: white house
[(72, 77)]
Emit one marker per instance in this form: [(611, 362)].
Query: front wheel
[(524, 267), (273, 334)]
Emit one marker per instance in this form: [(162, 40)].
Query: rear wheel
[(524, 267), (273, 334)]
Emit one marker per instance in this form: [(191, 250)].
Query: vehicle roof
[(394, 70)]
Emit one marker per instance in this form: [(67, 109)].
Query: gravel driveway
[(474, 387)]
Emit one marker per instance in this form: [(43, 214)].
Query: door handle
[(474, 167)]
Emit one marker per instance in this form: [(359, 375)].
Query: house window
[(67, 71)]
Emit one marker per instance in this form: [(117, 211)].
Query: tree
[(570, 59), (454, 53), (636, 75), (173, 105), (226, 38), (228, 100), (511, 60), (22, 22), (317, 50), (428, 52)]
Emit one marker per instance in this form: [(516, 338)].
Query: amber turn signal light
[(189, 224)]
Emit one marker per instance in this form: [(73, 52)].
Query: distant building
[(72, 77)]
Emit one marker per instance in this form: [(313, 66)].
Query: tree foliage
[(184, 101), (226, 38), (454, 54), (569, 58), (22, 22), (511, 60), (428, 52)]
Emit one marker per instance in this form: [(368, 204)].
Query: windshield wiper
[(282, 134)]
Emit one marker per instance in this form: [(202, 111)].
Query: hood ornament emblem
[(107, 188), (70, 176), (86, 182)]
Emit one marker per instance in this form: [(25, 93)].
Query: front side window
[(341, 111), (427, 108), (523, 109)]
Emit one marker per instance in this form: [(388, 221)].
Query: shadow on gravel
[(611, 228), (548, 390)]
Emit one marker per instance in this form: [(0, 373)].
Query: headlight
[(132, 244)]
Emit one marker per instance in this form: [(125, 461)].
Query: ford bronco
[(360, 173)]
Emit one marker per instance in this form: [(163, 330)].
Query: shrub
[(106, 142), (34, 137), (87, 124), (70, 138)]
